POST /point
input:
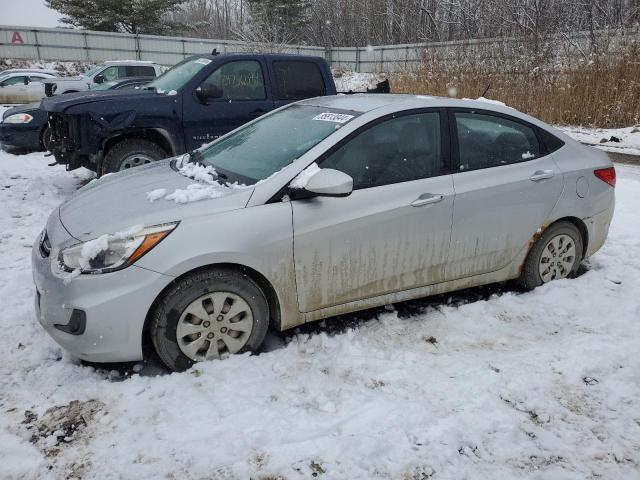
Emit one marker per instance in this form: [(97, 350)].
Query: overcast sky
[(32, 13)]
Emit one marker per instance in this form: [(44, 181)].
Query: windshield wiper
[(195, 156)]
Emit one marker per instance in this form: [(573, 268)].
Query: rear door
[(295, 80), (392, 233), (506, 187), (245, 96)]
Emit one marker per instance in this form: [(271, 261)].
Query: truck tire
[(555, 255), (209, 314), (130, 153)]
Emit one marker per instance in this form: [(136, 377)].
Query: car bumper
[(19, 137), (598, 228), (113, 308)]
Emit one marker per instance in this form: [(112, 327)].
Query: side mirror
[(26, 80), (99, 78), (208, 91), (328, 182)]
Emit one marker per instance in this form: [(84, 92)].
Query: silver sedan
[(322, 207)]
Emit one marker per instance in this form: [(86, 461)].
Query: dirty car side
[(319, 257)]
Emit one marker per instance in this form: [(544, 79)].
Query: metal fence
[(60, 44)]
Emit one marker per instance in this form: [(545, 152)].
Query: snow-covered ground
[(542, 385), (620, 140)]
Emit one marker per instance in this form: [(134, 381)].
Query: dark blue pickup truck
[(193, 103)]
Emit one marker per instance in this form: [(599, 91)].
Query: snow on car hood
[(117, 201)]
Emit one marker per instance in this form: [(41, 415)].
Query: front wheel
[(131, 153), (555, 255), (209, 315)]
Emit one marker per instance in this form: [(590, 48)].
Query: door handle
[(427, 199), (541, 175), (257, 113)]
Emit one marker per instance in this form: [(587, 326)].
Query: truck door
[(243, 94)]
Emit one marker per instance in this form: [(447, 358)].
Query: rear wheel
[(131, 153), (555, 255), (209, 315)]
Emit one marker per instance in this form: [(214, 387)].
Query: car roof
[(129, 62), (29, 70), (284, 56), (366, 102), (25, 74)]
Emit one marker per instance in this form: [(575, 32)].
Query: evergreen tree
[(130, 16), (286, 18)]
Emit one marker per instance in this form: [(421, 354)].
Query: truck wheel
[(209, 315), (45, 138), (555, 255), (131, 153)]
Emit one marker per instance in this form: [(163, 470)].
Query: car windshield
[(176, 77), (261, 149), (91, 71), (104, 86)]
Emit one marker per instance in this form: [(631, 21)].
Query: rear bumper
[(598, 228)]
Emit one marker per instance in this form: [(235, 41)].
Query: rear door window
[(295, 80), (486, 141), (140, 71)]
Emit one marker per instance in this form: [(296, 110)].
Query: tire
[(536, 271), (131, 153), (175, 331), (45, 138)]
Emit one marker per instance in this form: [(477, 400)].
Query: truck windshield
[(261, 149), (176, 77), (91, 71)]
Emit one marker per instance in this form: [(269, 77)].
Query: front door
[(506, 187), (244, 88), (392, 233)]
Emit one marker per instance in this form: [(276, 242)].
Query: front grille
[(64, 131), (45, 245)]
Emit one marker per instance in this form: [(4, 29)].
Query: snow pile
[(205, 188), (357, 82), (304, 176), (620, 140), (486, 384), (487, 100)]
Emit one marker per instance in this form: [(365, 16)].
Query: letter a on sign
[(16, 38)]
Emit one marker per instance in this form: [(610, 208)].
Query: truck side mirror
[(99, 78), (208, 91), (26, 80)]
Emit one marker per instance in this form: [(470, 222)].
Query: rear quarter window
[(550, 141), (295, 80)]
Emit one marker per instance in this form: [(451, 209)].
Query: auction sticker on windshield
[(333, 117), (203, 61)]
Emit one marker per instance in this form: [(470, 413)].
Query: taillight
[(607, 175)]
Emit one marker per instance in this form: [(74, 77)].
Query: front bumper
[(115, 306), (20, 137)]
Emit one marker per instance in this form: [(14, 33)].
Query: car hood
[(21, 109), (59, 103), (116, 202)]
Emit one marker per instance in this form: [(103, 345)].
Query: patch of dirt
[(61, 424)]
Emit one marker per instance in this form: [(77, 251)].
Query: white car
[(22, 87), (106, 72)]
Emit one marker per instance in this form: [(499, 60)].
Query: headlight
[(18, 118), (113, 252)]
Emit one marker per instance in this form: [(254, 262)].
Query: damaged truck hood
[(113, 100), (118, 201)]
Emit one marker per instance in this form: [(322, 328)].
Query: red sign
[(16, 38)]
